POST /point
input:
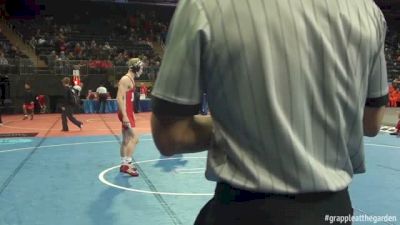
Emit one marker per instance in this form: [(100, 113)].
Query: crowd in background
[(107, 42), (392, 51), (9, 51), (394, 92), (9, 55)]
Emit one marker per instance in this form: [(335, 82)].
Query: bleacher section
[(8, 49), (96, 37), (12, 61), (112, 27), (392, 51)]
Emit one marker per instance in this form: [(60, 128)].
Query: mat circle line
[(106, 182), (67, 144)]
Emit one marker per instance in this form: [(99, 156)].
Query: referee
[(68, 105), (293, 86)]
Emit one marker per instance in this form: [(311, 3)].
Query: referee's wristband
[(377, 102)]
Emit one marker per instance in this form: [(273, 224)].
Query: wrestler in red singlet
[(129, 106)]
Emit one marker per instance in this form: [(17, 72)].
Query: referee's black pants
[(67, 113), (232, 206)]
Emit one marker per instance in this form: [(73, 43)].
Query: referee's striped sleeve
[(377, 83), (180, 79)]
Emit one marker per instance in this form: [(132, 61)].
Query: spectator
[(62, 56), (71, 56), (143, 91), (91, 95), (106, 46), (28, 106), (3, 60), (119, 60), (14, 52), (41, 99), (102, 93), (3, 64), (41, 41), (51, 60), (33, 42)]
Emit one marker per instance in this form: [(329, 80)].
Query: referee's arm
[(177, 129), (373, 115), (377, 93)]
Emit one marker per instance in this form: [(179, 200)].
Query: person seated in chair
[(91, 95)]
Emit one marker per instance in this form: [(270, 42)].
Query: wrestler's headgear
[(135, 64)]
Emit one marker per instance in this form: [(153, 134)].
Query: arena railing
[(94, 67), (19, 66)]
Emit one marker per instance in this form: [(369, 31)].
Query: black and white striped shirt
[(287, 82)]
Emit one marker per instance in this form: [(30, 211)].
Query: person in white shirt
[(102, 93)]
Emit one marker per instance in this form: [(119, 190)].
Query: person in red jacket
[(42, 103), (143, 90), (28, 106), (394, 96)]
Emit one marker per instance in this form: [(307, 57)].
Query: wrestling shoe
[(128, 169)]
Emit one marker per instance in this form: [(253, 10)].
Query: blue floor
[(72, 181)]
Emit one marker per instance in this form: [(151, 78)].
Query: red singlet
[(29, 106), (129, 106)]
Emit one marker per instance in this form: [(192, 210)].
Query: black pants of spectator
[(237, 207), (2, 93), (67, 113), (102, 103)]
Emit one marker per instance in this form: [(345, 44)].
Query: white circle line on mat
[(106, 182), (67, 144)]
